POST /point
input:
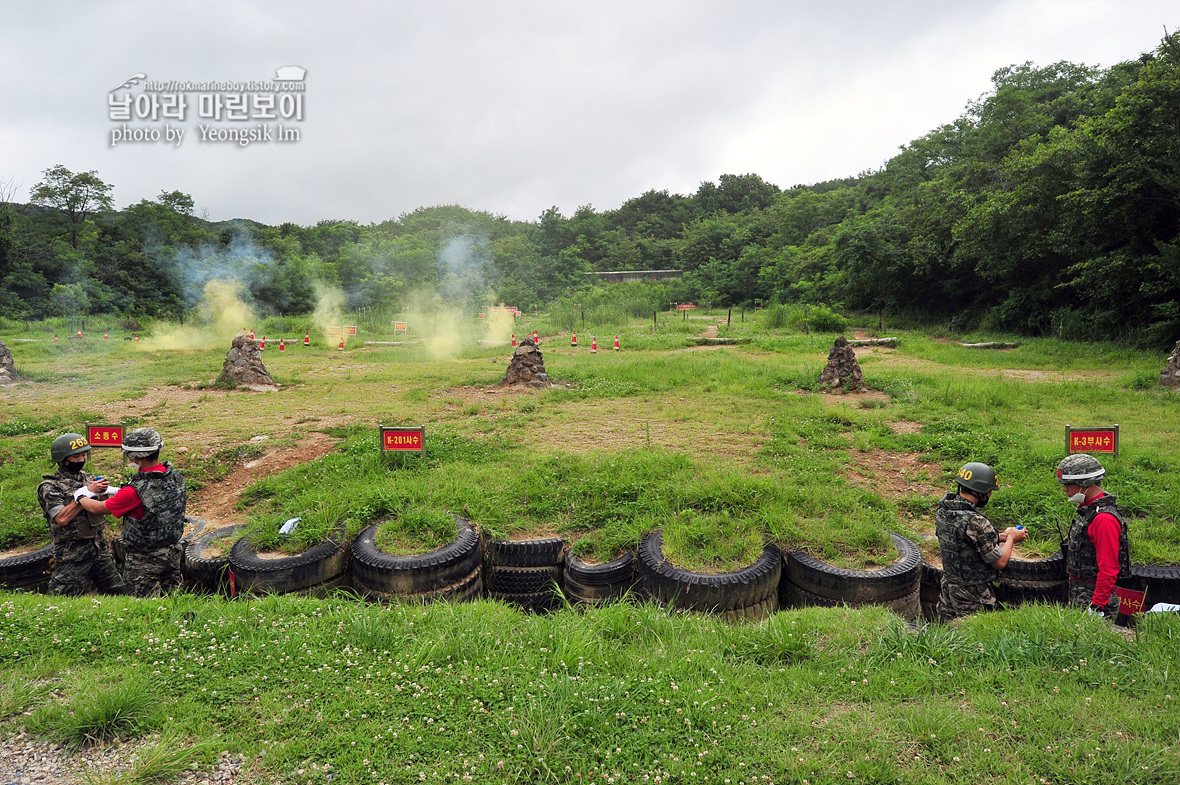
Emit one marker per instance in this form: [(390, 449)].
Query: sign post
[(104, 435), (1103, 439), (403, 438)]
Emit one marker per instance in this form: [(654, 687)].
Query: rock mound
[(1169, 378), (7, 366), (243, 366), (527, 367), (842, 370)]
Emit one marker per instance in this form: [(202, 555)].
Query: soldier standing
[(970, 546), (152, 506), (1099, 552), (81, 556)]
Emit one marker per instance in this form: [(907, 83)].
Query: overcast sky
[(511, 107)]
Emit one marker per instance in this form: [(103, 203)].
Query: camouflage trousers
[(959, 600), (82, 564), (152, 573), (1081, 594)]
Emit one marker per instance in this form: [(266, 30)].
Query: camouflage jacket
[(56, 491), (164, 498), (967, 542), (1081, 558)]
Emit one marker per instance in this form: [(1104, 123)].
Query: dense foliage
[(1051, 207)]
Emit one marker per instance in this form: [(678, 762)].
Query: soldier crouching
[(152, 505)]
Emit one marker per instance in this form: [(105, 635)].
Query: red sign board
[(104, 435), (403, 439), (1104, 439)]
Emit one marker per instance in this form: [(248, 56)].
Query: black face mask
[(73, 467), (983, 500)]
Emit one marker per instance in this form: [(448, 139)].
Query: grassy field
[(721, 447)]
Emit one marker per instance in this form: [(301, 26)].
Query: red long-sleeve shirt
[(1104, 533)]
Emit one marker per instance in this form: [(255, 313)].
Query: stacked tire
[(748, 594), (929, 588), (525, 573), (27, 571), (452, 573), (810, 581), (205, 568), (316, 571), (1033, 580), (598, 584)]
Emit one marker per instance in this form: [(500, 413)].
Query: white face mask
[(1078, 498)]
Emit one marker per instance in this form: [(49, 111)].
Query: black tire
[(1013, 592), (1162, 581), (674, 587), (539, 602), (376, 570), (24, 568), (321, 564), (522, 580), (594, 595), (908, 607), (1051, 568), (615, 571), (753, 613), (523, 553), (896, 581), (465, 590), (930, 582), (201, 568)]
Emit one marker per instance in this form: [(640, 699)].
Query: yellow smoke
[(221, 314), (329, 309)]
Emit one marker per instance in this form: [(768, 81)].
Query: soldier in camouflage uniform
[(152, 506), (81, 556), (1099, 551), (972, 551)]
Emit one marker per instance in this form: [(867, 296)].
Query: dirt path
[(216, 502)]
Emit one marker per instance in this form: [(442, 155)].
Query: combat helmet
[(66, 445), (1080, 469), (977, 477), (142, 441)]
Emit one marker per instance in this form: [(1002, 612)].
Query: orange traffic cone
[(593, 346), (137, 339), (106, 336), (79, 333), (251, 335), (616, 343), (55, 337), (342, 342), (536, 338), (307, 338), (574, 340), (282, 346), (514, 339), (262, 345)]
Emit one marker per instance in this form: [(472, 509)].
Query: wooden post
[(728, 317)]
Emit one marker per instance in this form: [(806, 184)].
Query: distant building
[(630, 276)]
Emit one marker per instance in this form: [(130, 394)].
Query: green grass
[(415, 530), (304, 689), (98, 711)]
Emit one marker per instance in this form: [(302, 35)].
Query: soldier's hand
[(98, 486)]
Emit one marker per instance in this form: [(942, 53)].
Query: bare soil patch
[(216, 502), (855, 396), (895, 475), (21, 550), (905, 426)]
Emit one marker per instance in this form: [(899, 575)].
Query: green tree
[(76, 196)]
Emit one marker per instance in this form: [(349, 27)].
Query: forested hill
[(1052, 206)]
